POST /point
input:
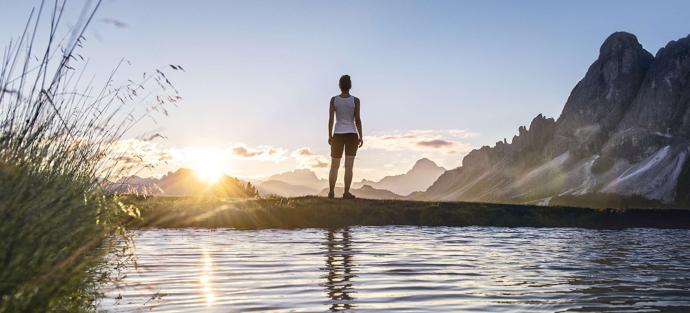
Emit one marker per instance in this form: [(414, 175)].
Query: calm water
[(408, 269)]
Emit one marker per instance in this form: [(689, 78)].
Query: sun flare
[(208, 166), (207, 173)]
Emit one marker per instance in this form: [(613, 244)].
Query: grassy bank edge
[(317, 212)]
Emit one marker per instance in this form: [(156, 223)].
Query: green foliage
[(56, 134), (231, 187)]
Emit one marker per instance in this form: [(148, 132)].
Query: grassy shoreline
[(317, 212), (61, 141)]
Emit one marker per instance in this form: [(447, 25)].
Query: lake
[(406, 268)]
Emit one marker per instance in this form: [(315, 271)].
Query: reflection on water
[(339, 269), (206, 275), (407, 269)]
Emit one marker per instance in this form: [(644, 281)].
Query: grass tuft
[(57, 132)]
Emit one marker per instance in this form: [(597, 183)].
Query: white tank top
[(344, 115)]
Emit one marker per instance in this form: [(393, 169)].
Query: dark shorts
[(347, 142)]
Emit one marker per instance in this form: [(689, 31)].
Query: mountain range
[(624, 131), (300, 182), (422, 175), (183, 182), (304, 182), (365, 192)]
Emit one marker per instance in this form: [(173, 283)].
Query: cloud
[(139, 156), (127, 159), (319, 164), (263, 153), (446, 147), (306, 158), (136, 152), (244, 152), (303, 152), (450, 141), (436, 143)]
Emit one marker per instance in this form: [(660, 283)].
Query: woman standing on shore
[(347, 135)]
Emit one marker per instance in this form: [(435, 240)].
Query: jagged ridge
[(624, 130)]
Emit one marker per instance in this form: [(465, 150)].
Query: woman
[(347, 135)]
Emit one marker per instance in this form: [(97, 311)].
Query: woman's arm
[(331, 115), (358, 122)]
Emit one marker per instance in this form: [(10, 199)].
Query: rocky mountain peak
[(663, 102), (424, 164), (599, 101), (540, 132), (528, 141), (623, 132), (618, 43)]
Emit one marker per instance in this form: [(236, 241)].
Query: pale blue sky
[(261, 72)]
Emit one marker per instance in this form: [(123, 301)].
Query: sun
[(207, 166), (207, 173)]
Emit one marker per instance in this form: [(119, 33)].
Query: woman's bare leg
[(349, 163), (333, 174)]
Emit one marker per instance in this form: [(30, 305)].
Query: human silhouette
[(346, 136)]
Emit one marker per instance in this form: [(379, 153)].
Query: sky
[(436, 79)]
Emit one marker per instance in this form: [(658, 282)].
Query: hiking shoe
[(331, 195), (348, 195)]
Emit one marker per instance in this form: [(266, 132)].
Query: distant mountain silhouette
[(300, 177), (304, 182), (419, 178), (135, 185), (624, 132), (183, 182), (283, 189), (365, 192), (300, 182)]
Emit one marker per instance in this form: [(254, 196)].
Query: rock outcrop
[(624, 130), (598, 102), (662, 103)]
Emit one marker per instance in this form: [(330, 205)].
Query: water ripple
[(407, 269)]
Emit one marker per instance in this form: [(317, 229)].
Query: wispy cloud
[(136, 156), (244, 152), (133, 152), (263, 153), (306, 158), (425, 140), (435, 143), (386, 153)]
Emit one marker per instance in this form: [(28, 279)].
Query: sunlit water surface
[(407, 269)]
